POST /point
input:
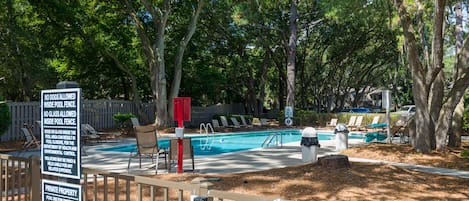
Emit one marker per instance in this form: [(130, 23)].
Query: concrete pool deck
[(245, 161)]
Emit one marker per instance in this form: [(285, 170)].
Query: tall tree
[(23, 51), (154, 48), (347, 43), (458, 117), (292, 53), (176, 84), (434, 107)]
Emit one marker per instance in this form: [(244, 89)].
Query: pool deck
[(245, 161)]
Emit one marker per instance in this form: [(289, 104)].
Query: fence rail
[(95, 112), (98, 113), (21, 180)]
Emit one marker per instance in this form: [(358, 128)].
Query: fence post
[(35, 172), (200, 193)]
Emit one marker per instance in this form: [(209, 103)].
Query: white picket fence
[(97, 113)]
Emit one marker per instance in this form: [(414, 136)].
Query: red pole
[(180, 148)]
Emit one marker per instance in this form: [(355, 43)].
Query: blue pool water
[(225, 143)]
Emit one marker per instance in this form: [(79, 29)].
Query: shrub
[(5, 116), (311, 118), (123, 122), (465, 154), (301, 117)]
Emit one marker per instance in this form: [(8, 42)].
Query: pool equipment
[(309, 145), (288, 115), (341, 137), (207, 142)]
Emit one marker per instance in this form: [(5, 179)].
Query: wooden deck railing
[(21, 180)]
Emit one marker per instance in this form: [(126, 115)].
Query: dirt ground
[(362, 181)]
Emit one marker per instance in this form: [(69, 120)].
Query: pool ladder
[(268, 141), (206, 144)]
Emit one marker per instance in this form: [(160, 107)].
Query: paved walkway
[(246, 161)]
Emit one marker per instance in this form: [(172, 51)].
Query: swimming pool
[(214, 144)]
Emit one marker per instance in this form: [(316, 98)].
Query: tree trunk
[(421, 139), (281, 83), (292, 54), (334, 161), (433, 116), (436, 101), (136, 96), (262, 81), (454, 95), (154, 53), (176, 84), (456, 129)]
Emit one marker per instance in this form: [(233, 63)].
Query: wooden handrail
[(199, 186)]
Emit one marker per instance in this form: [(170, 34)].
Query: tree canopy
[(238, 52)]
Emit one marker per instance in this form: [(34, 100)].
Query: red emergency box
[(182, 109)]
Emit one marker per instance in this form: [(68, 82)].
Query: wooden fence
[(98, 113), (20, 179)]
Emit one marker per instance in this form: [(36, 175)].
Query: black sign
[(57, 191), (60, 132)]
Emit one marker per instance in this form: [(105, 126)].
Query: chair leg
[(140, 161), (128, 164), (169, 165), (193, 166), (156, 165), (165, 162)]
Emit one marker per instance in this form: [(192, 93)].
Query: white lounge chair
[(375, 120), (224, 122), (134, 121), (235, 122), (30, 140), (244, 123), (215, 124), (358, 123), (264, 122), (351, 122), (332, 123), (90, 133)]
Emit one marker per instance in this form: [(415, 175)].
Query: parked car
[(406, 110), (358, 110)]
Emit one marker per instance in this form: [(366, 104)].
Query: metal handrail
[(208, 141), (271, 137)]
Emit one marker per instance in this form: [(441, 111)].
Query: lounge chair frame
[(90, 134), (235, 122), (147, 146), (30, 139), (188, 151), (244, 122), (332, 123)]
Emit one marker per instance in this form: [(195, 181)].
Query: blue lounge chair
[(378, 136)]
